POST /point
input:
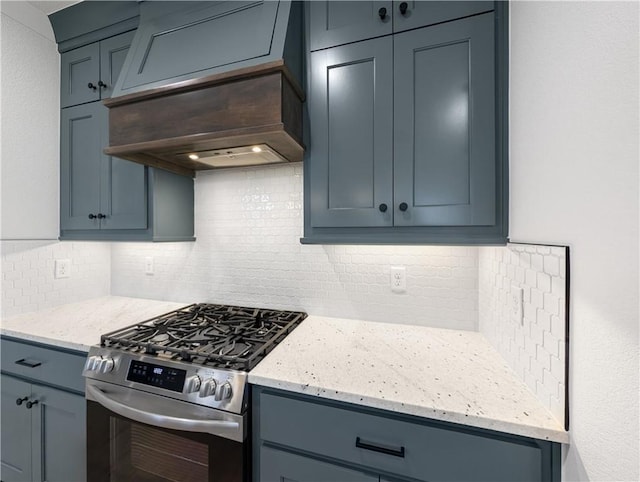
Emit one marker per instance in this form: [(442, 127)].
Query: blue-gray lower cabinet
[(43, 414), (406, 136), (307, 439), (279, 465)]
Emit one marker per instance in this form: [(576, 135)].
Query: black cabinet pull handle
[(25, 363), (403, 207), (382, 208), (91, 86), (92, 216), (382, 13), (20, 400), (101, 216), (380, 448), (102, 85), (31, 404), (403, 8)]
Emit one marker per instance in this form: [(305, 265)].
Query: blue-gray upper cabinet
[(444, 125), (89, 73), (351, 114), (97, 191), (106, 198), (410, 15), (336, 23), (407, 137)]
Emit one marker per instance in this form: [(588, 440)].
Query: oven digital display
[(156, 375)]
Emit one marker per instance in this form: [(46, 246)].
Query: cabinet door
[(79, 68), (421, 13), (279, 466), (58, 426), (16, 431), (444, 131), (113, 51), (80, 162), (334, 23), (123, 186), (350, 108)]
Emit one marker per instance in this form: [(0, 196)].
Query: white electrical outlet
[(515, 306), (148, 265), (398, 279), (62, 268)]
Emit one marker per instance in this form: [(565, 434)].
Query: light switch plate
[(515, 304), (148, 265)]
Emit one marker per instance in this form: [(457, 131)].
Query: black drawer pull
[(380, 448), (30, 364)]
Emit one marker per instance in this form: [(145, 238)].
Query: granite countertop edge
[(284, 369)]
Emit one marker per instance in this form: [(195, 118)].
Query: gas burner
[(222, 336)]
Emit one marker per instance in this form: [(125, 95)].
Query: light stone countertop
[(450, 375), (77, 326)]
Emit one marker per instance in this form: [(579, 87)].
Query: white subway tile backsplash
[(539, 343), (248, 252), (28, 282)]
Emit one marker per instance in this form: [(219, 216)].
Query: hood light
[(237, 156)]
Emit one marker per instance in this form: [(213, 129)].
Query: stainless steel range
[(167, 399)]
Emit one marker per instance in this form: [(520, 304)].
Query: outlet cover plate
[(62, 268), (398, 279)]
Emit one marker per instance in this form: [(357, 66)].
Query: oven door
[(138, 436)]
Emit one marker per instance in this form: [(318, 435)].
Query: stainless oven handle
[(164, 421)]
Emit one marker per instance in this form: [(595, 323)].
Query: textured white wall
[(28, 282), (535, 347), (574, 180), (249, 222), (30, 109)]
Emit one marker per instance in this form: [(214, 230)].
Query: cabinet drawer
[(422, 451), (42, 364)]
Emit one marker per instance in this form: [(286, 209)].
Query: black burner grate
[(224, 336)]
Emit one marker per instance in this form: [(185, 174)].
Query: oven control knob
[(193, 384), (223, 392), (207, 388), (106, 365), (92, 363)]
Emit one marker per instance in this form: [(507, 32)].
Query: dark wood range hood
[(210, 84), (162, 127)]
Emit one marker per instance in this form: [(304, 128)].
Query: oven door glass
[(120, 449)]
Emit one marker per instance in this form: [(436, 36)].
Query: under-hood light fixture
[(238, 156)]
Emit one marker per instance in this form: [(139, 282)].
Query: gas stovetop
[(198, 354), (220, 336)]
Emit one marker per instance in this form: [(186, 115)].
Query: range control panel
[(156, 375), (189, 382)]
